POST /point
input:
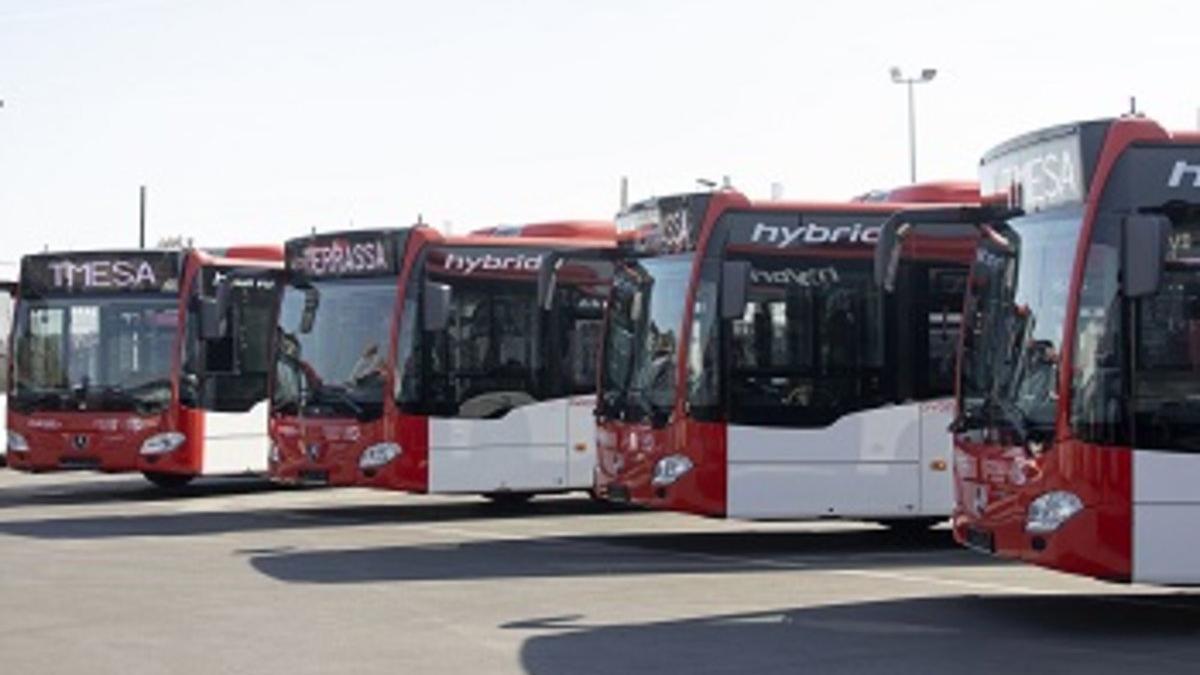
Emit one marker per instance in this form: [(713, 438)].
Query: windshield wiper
[(336, 395), (1011, 415), (640, 407), (137, 396), (46, 399), (286, 406)]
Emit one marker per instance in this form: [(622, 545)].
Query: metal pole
[(142, 216), (912, 135)]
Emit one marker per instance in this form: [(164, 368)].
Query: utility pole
[(927, 75), (142, 216)]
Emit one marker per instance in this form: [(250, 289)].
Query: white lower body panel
[(493, 468), (799, 490), (235, 443), (1166, 517), (868, 465), (524, 451)]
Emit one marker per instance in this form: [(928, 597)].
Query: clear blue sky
[(257, 120)]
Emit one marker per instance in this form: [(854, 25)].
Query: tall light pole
[(927, 75), (141, 216)]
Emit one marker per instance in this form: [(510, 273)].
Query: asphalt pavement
[(105, 574)]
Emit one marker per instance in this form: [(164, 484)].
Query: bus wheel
[(509, 499), (911, 527), (168, 481)]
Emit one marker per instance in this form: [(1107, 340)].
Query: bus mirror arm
[(947, 221), (547, 282), (1146, 241)]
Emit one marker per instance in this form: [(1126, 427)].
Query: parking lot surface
[(107, 575)]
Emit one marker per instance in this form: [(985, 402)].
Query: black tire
[(509, 500), (168, 481), (911, 527)]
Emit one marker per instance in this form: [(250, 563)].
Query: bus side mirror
[(735, 288), (1146, 242), (212, 320), (547, 282), (214, 313), (436, 311), (887, 255), (308, 314)]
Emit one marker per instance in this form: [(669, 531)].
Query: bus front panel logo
[(1181, 171)]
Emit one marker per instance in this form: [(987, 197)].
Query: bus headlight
[(1048, 512), (17, 442), (273, 455), (670, 469), (377, 455), (161, 444)]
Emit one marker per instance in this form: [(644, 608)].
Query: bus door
[(813, 424), (572, 296), (930, 304), (227, 357), (937, 314)]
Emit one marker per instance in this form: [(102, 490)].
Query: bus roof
[(557, 229)]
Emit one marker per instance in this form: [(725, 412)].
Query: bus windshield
[(104, 354), (638, 379), (1017, 308), (333, 339), (809, 346)]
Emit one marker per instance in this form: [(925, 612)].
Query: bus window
[(808, 348)]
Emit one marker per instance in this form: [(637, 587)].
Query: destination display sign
[(803, 230), (664, 225), (346, 254), (1042, 173), (237, 278), (101, 272)]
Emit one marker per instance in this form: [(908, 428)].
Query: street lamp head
[(928, 74), (897, 76)]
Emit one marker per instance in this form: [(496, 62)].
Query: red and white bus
[(8, 291), (413, 361), (150, 361), (751, 369), (1077, 437)]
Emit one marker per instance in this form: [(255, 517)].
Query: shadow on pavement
[(965, 634), (628, 554), (132, 489), (190, 524)]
